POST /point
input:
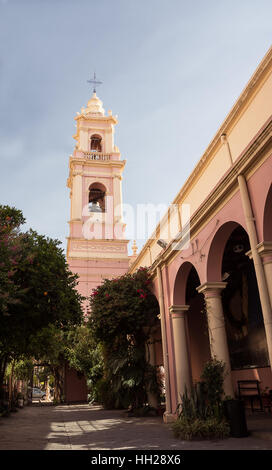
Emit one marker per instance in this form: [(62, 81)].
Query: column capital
[(265, 251), (118, 176), (77, 173), (211, 289), (178, 311)]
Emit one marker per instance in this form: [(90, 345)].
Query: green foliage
[(83, 353), (123, 312), (39, 302), (10, 253), (201, 413), (36, 287), (122, 305), (109, 396), (10, 218), (210, 428), (213, 376), (195, 405), (23, 369)]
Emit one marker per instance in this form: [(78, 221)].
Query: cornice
[(101, 242), (111, 119), (224, 189), (229, 182), (125, 258), (97, 163)]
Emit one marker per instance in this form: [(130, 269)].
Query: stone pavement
[(76, 427)]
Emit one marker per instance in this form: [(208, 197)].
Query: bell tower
[(96, 247)]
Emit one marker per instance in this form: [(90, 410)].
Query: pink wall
[(258, 186), (205, 254), (199, 345), (262, 373), (75, 386)]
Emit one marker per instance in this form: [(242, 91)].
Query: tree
[(37, 290), (85, 355), (10, 290), (82, 352), (123, 313), (10, 221), (48, 294)]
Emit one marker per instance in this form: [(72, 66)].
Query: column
[(84, 145), (117, 195), (167, 417), (109, 139), (151, 359), (216, 326), (265, 251), (258, 265), (182, 357), (76, 196)]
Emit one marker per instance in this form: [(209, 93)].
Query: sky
[(171, 71)]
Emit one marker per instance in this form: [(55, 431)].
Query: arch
[(185, 293), (97, 193), (241, 304), (216, 250), (267, 218), (198, 333), (180, 283), (96, 143)]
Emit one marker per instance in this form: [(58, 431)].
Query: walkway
[(75, 427)]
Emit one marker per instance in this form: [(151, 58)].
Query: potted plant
[(20, 400)]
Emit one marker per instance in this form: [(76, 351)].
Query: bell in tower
[(96, 198), (94, 207)]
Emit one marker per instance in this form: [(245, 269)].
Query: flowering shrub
[(123, 306), (123, 312)]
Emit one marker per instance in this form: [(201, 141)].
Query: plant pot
[(20, 402), (235, 414)]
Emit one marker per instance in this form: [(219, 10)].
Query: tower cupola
[(94, 106)]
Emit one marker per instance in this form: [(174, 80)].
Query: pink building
[(213, 278)]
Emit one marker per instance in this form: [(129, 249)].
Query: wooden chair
[(250, 390)]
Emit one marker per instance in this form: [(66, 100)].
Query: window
[(97, 197), (96, 143)]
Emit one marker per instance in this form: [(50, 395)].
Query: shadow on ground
[(84, 427)]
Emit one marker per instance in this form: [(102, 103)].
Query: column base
[(169, 417)]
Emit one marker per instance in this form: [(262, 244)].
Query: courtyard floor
[(85, 427)]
